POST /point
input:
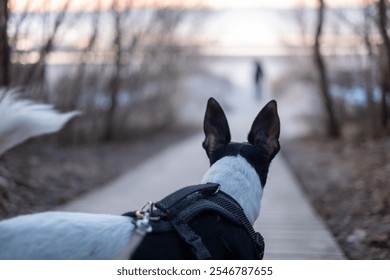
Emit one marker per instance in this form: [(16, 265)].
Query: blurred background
[(141, 72)]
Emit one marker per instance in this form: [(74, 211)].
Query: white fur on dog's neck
[(238, 179)]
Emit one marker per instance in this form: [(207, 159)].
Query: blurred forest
[(117, 63), (345, 53), (120, 64)]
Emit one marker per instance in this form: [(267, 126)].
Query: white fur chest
[(238, 179)]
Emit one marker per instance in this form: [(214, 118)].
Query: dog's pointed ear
[(266, 129), (215, 127)]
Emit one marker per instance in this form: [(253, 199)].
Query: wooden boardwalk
[(292, 230), (290, 226)]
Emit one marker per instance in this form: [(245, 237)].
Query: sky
[(235, 26), (36, 5), (283, 4)]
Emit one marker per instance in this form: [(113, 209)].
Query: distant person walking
[(258, 80)]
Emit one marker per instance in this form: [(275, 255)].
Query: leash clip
[(142, 223), (140, 219)]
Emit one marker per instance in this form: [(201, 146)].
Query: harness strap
[(188, 213), (231, 205), (192, 239), (203, 205), (172, 199)]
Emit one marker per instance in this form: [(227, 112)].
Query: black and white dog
[(241, 171), (239, 168)]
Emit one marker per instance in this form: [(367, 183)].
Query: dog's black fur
[(223, 238)]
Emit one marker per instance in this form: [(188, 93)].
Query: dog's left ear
[(216, 128), (266, 129)]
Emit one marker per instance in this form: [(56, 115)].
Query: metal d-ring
[(217, 190)]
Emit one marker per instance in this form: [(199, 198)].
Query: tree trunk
[(333, 128), (4, 45), (116, 77), (385, 69)]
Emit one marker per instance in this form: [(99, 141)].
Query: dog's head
[(263, 138)]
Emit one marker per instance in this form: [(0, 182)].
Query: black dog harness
[(175, 211)]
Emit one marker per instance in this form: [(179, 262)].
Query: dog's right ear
[(216, 128)]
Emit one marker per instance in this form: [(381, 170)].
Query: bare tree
[(369, 77), (4, 45), (132, 75), (367, 32), (114, 84), (37, 71), (77, 88), (385, 53), (333, 127)]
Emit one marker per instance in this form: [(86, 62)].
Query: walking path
[(291, 228)]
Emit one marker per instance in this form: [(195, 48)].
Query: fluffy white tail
[(23, 119)]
